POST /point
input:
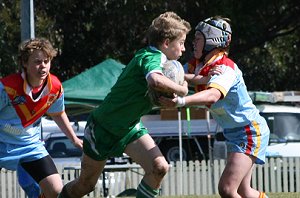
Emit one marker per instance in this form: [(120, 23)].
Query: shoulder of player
[(226, 62), (54, 78)]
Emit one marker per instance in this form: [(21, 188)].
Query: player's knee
[(225, 191), (160, 167)]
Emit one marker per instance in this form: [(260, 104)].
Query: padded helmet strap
[(217, 33)]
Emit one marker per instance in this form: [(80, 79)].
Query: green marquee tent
[(88, 89)]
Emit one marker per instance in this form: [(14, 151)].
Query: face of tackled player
[(173, 49), (198, 44)]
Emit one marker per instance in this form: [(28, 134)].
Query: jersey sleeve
[(58, 106), (4, 100), (153, 63), (224, 81)]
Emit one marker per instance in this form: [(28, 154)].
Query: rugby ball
[(173, 70)]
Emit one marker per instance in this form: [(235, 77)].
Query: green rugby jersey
[(123, 107)]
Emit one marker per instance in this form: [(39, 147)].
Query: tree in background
[(265, 42), (10, 35)]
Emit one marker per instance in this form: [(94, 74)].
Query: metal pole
[(180, 151), (27, 20), (210, 150)]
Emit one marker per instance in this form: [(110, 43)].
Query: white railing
[(198, 178)]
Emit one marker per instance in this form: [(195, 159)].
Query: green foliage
[(273, 195), (10, 34), (265, 42), (274, 66)]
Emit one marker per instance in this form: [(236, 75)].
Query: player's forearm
[(193, 79), (162, 83), (206, 97), (64, 124), (166, 85)]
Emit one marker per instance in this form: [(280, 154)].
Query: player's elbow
[(212, 99), (213, 96), (154, 81), (156, 85)]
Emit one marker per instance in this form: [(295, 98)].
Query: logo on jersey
[(51, 98), (19, 100), (11, 130)]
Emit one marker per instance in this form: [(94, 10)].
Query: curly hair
[(27, 47), (166, 26)]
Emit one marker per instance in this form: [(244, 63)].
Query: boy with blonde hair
[(115, 128)]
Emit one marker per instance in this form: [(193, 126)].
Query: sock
[(262, 195), (145, 191), (32, 190)]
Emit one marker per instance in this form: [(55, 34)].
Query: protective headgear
[(216, 32)]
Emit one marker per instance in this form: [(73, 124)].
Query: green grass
[(271, 195)]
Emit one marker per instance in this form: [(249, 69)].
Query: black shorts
[(40, 169)]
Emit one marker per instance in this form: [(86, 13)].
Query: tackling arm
[(206, 97), (199, 79), (196, 79)]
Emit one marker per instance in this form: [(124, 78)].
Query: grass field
[(271, 195)]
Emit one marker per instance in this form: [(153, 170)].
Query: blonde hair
[(27, 47), (166, 26)]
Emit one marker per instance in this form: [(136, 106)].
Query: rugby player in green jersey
[(114, 127)]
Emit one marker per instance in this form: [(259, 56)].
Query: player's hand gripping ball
[(173, 70)]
